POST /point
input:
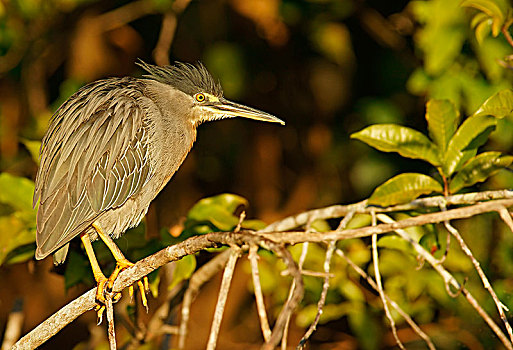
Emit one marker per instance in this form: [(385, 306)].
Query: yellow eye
[(200, 97)]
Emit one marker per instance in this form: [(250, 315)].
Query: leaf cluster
[(451, 149)]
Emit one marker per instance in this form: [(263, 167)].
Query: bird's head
[(203, 94)]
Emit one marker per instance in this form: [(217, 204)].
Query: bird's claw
[(143, 284), (101, 292), (100, 309)]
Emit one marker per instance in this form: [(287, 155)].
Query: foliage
[(451, 150)]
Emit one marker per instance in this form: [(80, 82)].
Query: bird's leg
[(99, 277), (121, 264)]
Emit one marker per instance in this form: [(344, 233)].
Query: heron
[(111, 148)]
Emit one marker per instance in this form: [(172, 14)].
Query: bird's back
[(94, 157)]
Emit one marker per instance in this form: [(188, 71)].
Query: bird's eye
[(200, 97)]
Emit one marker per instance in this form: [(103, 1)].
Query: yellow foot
[(143, 285), (100, 297)]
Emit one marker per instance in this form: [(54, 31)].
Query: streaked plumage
[(113, 145)]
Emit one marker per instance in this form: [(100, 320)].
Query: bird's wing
[(93, 158)]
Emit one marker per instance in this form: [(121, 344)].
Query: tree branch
[(86, 302)]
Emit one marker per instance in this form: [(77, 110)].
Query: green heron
[(111, 148)]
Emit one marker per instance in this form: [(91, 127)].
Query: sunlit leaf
[(397, 243), (442, 34), (154, 285), (183, 270), (483, 28), (495, 9), (472, 133), (404, 188), (330, 312), (395, 138), (16, 191), (499, 105), (218, 210), (351, 291), (442, 118), (14, 233), (479, 169)]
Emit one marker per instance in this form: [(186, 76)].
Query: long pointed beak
[(231, 109)]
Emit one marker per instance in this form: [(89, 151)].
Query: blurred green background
[(326, 67)]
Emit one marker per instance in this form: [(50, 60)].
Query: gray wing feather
[(93, 158)]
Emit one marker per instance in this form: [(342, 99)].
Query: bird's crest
[(185, 77)]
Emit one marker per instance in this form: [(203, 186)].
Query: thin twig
[(221, 298), (291, 304), (14, 324), (506, 217), (322, 300), (500, 306), (450, 280), (125, 14), (506, 33), (259, 297), (324, 293), (337, 211), (381, 291), (167, 32), (443, 207), (200, 277), (302, 258), (309, 273), (110, 321), (396, 306)]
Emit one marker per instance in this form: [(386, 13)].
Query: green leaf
[(470, 135), (442, 34), (478, 169), (442, 118), (404, 188), (218, 210), (16, 191), (482, 29), (14, 233), (499, 105), (77, 270), (154, 286), (395, 138), (397, 243), (183, 270), (495, 9)]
